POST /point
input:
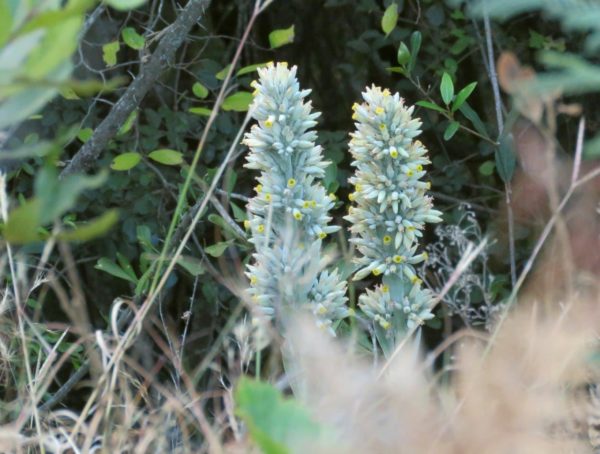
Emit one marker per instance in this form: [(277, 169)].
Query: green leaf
[(217, 249), (276, 425), (23, 223), (125, 5), (109, 53), (415, 46), (505, 159), (167, 157), (132, 38), (281, 37), (431, 106), (238, 214), (218, 220), (403, 54), (125, 265), (199, 90), (487, 168), (250, 68), (6, 21), (389, 19), (110, 267), (447, 88), (463, 95), (451, 130), (126, 161), (223, 73), (191, 264), (85, 134), (200, 111), (238, 102), (92, 229), (126, 127), (474, 118)]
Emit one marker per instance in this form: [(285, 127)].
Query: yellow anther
[(322, 235), (291, 183), (387, 239), (410, 228), (379, 110), (354, 116), (267, 197), (253, 280), (419, 168), (322, 310), (376, 272), (358, 187), (255, 92), (313, 203), (298, 215), (398, 259), (351, 196), (409, 173), (385, 324), (393, 153), (385, 289), (269, 122), (254, 84), (355, 106), (258, 188), (386, 92), (246, 224), (382, 126), (332, 196), (306, 204), (260, 228), (414, 279)]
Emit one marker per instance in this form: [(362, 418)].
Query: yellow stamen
[(258, 188), (387, 239), (322, 235), (385, 289), (291, 183), (260, 228), (246, 224), (376, 272), (398, 259), (298, 215), (268, 197)]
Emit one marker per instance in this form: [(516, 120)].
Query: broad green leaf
[(277, 425), (125, 5), (126, 127), (167, 157), (217, 249), (389, 19), (199, 90), (191, 264), (92, 229), (132, 38), (505, 159), (447, 88), (54, 50), (451, 130), (403, 54), (415, 47), (109, 53), (6, 21), (200, 111), (110, 267), (250, 68), (238, 102), (474, 118), (463, 95), (218, 220), (85, 134), (56, 17), (487, 168), (59, 196), (238, 214), (23, 223), (126, 161), (221, 75), (431, 106), (281, 37), (125, 265)]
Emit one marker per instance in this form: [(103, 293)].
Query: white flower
[(289, 215), (391, 205)]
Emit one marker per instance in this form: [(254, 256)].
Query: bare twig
[(171, 40)]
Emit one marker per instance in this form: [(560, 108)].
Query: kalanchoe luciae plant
[(390, 212), (289, 214)]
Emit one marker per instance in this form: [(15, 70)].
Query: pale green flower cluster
[(391, 207), (289, 214)]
